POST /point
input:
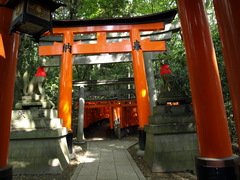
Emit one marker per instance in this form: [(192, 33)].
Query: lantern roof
[(51, 4)]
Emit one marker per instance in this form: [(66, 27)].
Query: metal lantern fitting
[(32, 16)]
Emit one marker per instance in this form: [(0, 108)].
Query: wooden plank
[(162, 35), (109, 92), (98, 59), (108, 28), (104, 82), (102, 58)]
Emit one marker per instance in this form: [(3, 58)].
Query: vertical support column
[(216, 159), (117, 120), (111, 119), (140, 85), (151, 81), (8, 61), (80, 132), (227, 13), (65, 86)]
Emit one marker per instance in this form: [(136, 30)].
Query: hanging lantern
[(32, 16)]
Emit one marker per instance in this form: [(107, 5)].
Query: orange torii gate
[(101, 27), (215, 146)]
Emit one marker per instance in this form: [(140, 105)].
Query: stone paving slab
[(108, 160)]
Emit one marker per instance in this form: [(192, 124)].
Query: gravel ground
[(146, 170)]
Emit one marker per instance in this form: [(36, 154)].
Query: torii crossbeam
[(216, 159), (135, 45)]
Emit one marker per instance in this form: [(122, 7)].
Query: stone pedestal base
[(39, 151), (237, 168), (142, 139), (171, 141), (28, 102), (38, 143), (6, 173), (171, 152), (215, 168)]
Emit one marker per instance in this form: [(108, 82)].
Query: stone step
[(34, 113), (37, 123), (180, 99), (171, 118), (38, 133), (173, 128), (173, 109)]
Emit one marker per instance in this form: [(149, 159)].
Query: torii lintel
[(101, 27)]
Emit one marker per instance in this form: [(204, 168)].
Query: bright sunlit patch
[(97, 139), (2, 50), (54, 162), (144, 93), (66, 107), (20, 164), (87, 159)]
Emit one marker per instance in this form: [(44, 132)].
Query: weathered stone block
[(170, 128), (167, 153), (171, 141), (171, 118), (34, 158), (176, 109), (38, 142), (34, 113)]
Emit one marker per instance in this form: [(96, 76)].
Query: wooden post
[(213, 136), (65, 89), (8, 60), (227, 13), (80, 132), (117, 120), (141, 85), (151, 82), (65, 86)]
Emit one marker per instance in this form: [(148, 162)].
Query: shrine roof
[(166, 16)]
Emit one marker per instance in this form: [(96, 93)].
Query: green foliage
[(89, 9), (144, 7), (27, 61), (52, 84), (231, 123), (175, 57), (28, 58)]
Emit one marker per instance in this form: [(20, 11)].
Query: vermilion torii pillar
[(216, 158), (135, 45), (227, 13), (8, 60), (65, 85)]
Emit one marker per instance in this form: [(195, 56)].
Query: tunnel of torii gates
[(101, 27), (211, 122)]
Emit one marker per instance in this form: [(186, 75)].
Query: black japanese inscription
[(21, 114), (137, 45), (67, 47), (41, 113)]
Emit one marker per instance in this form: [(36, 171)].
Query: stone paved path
[(108, 160)]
